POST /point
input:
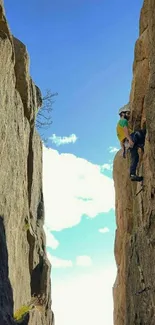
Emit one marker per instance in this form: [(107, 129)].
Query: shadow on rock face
[(6, 294), (23, 322), (36, 278)]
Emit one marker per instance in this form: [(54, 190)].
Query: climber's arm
[(127, 135), (122, 144), (123, 149)]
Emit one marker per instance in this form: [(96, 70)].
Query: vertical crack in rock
[(30, 160)]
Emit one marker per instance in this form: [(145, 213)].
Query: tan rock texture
[(24, 267), (134, 288)]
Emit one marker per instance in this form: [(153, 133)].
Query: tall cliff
[(134, 288), (24, 268)]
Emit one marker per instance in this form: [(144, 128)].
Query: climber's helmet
[(126, 110)]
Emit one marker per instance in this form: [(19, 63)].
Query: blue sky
[(83, 50)]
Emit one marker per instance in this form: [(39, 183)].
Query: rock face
[(24, 268), (134, 288)]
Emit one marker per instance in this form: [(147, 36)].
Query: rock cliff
[(24, 268), (134, 288)]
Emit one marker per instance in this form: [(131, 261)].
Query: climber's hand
[(131, 143)]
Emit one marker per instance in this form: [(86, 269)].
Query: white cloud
[(58, 141), (83, 260), (113, 149), (104, 230), (51, 241), (106, 167), (73, 187), (84, 299), (57, 262)]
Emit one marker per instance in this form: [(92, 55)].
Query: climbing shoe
[(136, 178)]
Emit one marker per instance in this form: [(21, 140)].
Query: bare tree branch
[(44, 116)]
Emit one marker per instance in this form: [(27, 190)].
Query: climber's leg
[(134, 160), (139, 138), (134, 163)]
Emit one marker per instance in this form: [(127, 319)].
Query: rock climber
[(130, 140)]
